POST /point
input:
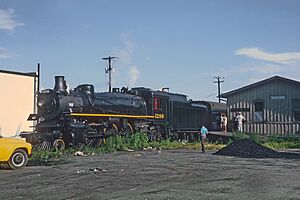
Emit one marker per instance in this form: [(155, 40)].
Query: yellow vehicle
[(14, 152)]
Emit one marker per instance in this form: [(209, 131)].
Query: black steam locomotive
[(84, 117)]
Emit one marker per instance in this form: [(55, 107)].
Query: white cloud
[(4, 53), (133, 75), (281, 58), (6, 20)]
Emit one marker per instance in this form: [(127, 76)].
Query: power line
[(108, 70), (219, 81)]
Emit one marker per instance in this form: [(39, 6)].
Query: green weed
[(282, 141)]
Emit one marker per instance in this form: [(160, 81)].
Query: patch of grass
[(282, 141), (168, 145), (255, 137), (273, 141), (282, 145), (239, 136), (137, 141), (43, 157), (243, 135)]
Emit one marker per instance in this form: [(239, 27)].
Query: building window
[(296, 109), (258, 111), (259, 106)]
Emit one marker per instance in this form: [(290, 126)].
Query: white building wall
[(16, 103)]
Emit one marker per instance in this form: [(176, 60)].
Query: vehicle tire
[(18, 159)]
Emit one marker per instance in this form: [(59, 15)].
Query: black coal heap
[(246, 148)]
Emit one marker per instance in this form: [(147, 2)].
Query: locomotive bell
[(60, 84)]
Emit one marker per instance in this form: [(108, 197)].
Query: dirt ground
[(172, 174)]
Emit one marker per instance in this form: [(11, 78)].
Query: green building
[(269, 106)]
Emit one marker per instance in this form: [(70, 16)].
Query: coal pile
[(249, 149)]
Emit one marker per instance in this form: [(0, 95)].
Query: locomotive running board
[(111, 115)]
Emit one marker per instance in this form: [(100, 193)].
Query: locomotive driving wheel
[(128, 129), (59, 145), (102, 136), (112, 130)]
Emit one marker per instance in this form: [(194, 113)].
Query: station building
[(270, 106)]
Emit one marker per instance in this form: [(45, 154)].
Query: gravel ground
[(173, 174)]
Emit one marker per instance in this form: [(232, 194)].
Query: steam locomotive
[(84, 117)]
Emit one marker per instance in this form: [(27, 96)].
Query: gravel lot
[(172, 174)]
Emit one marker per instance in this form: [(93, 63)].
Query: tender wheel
[(59, 145), (18, 159)]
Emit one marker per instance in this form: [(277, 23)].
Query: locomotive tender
[(84, 117)]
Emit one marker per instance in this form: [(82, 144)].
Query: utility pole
[(108, 70), (219, 81)]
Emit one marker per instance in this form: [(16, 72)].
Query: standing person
[(203, 132), (224, 122), (240, 118), (218, 119), (235, 125)]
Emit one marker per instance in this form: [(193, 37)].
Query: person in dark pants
[(203, 133)]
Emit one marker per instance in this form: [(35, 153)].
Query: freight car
[(84, 117)]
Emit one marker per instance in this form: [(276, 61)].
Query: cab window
[(157, 103)]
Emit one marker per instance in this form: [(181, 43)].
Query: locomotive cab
[(157, 102), (157, 106)]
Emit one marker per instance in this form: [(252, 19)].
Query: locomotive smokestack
[(60, 84)]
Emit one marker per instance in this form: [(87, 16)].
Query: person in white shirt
[(224, 122), (240, 118)]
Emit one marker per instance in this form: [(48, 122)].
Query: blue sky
[(171, 43)]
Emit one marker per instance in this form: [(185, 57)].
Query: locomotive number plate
[(159, 116)]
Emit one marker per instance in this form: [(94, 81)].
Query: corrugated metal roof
[(274, 78)]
